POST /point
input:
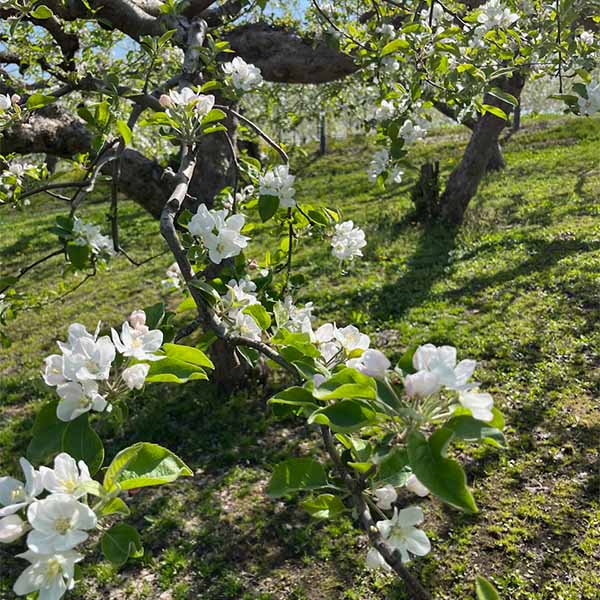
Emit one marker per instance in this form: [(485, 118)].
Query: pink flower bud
[(165, 101), (15, 98), (137, 319)]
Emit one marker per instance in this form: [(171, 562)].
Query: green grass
[(517, 288)]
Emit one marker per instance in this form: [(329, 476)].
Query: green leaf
[(485, 590), (47, 434), (394, 45), (116, 506), (41, 12), (38, 101), (405, 364), (155, 315), (292, 399), (470, 429), (125, 131), (324, 506), (78, 255), (187, 354), (348, 383), (394, 469), (209, 294), (267, 207), (444, 477), (214, 115), (260, 315), (345, 416), (188, 303), (296, 474), (120, 542), (82, 443), (494, 110), (504, 96), (143, 465), (171, 370)]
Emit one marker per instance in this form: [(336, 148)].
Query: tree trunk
[(464, 180), (496, 161), (322, 135)]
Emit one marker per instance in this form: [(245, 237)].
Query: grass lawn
[(517, 288)]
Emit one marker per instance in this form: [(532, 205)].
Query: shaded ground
[(517, 289)]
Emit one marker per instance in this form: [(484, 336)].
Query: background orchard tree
[(151, 96)]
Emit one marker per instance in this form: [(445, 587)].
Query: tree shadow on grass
[(427, 265)]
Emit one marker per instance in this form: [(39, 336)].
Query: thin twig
[(33, 265)]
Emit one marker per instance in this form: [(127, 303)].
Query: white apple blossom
[(78, 398), (53, 373), (378, 164), (493, 14), (5, 102), (59, 522), (219, 233), (402, 535), (410, 132), (244, 76), (371, 362), (173, 280), (389, 65), (387, 31), (246, 326), (385, 497), (385, 111), (297, 319), (347, 241), (66, 477), (351, 339), (14, 494), (135, 376), (279, 182), (416, 487), (591, 104), (87, 234), (587, 38), (187, 97), (479, 403), (12, 527), (442, 362), (49, 574), (422, 384), (239, 294), (140, 344), (88, 359)]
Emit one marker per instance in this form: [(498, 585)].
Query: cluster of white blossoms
[(279, 182), (240, 294), (385, 111), (202, 104), (494, 15), (86, 361), (436, 368), (244, 76), (220, 233), (337, 345), (387, 31), (587, 38), (347, 241), (591, 104), (55, 524), (14, 175), (173, 280), (381, 164), (412, 131), (87, 234), (294, 318)]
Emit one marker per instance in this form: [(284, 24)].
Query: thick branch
[(286, 57)]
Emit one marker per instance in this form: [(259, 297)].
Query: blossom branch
[(392, 557)]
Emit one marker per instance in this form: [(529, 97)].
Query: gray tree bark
[(464, 180)]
